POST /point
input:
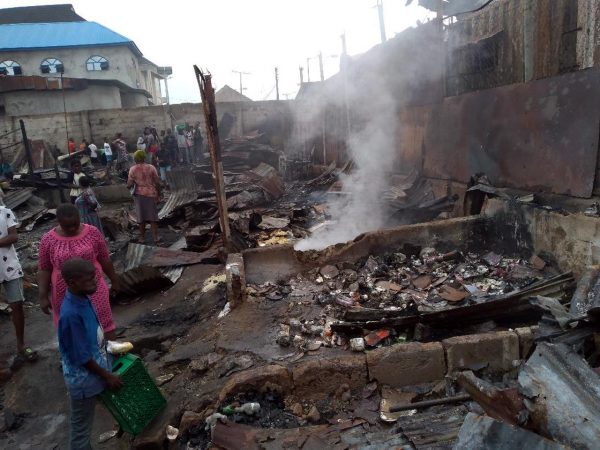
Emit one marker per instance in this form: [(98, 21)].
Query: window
[(97, 63), (9, 67), (52, 65)]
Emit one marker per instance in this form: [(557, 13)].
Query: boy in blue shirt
[(86, 368)]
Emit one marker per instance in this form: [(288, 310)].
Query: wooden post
[(27, 145), (207, 93)]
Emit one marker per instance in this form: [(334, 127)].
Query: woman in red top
[(145, 195), (72, 239)]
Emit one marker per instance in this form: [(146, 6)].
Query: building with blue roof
[(49, 53)]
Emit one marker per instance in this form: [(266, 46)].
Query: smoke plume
[(376, 86)]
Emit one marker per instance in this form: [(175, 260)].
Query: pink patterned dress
[(88, 244)]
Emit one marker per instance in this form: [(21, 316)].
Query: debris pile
[(409, 294), (554, 401)]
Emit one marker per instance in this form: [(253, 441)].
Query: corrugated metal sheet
[(184, 190), (269, 179), (30, 36), (139, 255), (12, 199), (39, 83), (480, 432), (563, 394), (541, 135)]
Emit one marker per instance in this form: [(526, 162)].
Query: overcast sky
[(253, 36)]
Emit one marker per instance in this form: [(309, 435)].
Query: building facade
[(71, 65)]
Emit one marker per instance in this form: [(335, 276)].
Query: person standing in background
[(146, 195), (164, 158), (93, 153), (182, 143), (171, 144), (71, 145), (73, 179), (87, 204), (120, 146), (198, 141), (108, 155)]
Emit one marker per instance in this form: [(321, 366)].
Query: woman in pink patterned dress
[(72, 239)]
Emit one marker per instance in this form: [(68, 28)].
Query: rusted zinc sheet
[(563, 396), (541, 135), (184, 190), (479, 432), (38, 83), (148, 256)]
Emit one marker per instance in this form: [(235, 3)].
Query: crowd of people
[(145, 170), (183, 145)]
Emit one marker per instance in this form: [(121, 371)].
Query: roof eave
[(130, 44)]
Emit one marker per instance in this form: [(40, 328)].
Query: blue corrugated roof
[(31, 36)]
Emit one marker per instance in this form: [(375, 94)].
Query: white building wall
[(123, 63)]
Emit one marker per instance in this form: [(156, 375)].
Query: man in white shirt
[(11, 275), (93, 153), (108, 154)]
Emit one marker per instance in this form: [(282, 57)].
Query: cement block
[(236, 279), (495, 350), (526, 340), (406, 364)]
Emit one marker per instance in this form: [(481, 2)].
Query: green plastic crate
[(138, 401)]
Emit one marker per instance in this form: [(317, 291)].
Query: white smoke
[(358, 208), (383, 80)]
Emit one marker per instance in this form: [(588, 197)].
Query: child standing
[(88, 205), (86, 368)]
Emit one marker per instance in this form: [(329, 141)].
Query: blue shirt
[(81, 339)]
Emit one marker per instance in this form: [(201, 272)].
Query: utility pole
[(308, 69), (301, 69), (321, 66), (343, 37), (276, 83), (241, 74), (381, 21)]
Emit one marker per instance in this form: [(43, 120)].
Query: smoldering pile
[(405, 283)]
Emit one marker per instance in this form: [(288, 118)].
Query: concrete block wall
[(399, 365), (97, 124)]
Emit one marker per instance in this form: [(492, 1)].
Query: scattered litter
[(357, 344), (226, 310), (172, 433), (163, 379), (107, 436)]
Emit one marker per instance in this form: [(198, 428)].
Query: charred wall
[(513, 41)]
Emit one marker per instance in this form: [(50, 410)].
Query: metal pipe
[(427, 403)]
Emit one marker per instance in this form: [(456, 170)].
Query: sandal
[(27, 355)]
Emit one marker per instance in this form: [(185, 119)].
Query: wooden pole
[(27, 145), (207, 93)]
